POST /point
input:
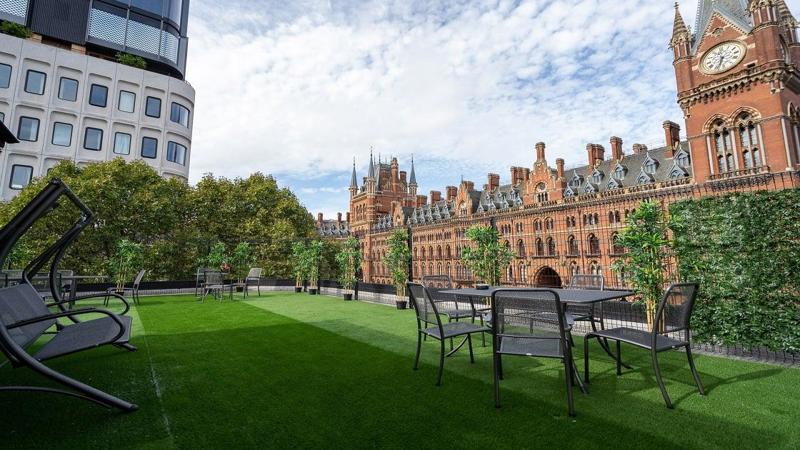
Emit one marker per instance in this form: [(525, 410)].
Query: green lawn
[(290, 370)]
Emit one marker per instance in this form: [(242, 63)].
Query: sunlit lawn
[(291, 370)]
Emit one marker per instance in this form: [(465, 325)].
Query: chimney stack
[(560, 168), (639, 149), (403, 176), (348, 217), (672, 134), (527, 174), (517, 175), (452, 192), (469, 186), (421, 201), (493, 181), (319, 217), (339, 217), (596, 153), (436, 196), (540, 146), (616, 148)]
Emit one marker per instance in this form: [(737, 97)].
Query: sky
[(298, 89)]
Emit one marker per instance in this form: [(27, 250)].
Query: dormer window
[(619, 172), (650, 166), (644, 179), (682, 159), (597, 177), (614, 184), (576, 181)]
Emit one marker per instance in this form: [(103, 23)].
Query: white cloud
[(299, 88)]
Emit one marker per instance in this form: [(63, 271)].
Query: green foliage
[(16, 30), (397, 258), (131, 60), (241, 259), (175, 223), (127, 261), (744, 250), (216, 258), (313, 257), (647, 252), (300, 268), (486, 258), (349, 260)]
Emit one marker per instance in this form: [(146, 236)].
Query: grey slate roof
[(734, 11), (633, 168), (333, 228), (431, 213), (503, 197)]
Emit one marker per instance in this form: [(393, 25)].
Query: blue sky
[(298, 89)]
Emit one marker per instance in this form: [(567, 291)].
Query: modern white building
[(74, 101)]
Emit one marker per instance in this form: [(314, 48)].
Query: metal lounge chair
[(214, 285), (200, 279), (25, 317), (531, 323), (671, 330), (253, 278), (429, 323), (133, 290)]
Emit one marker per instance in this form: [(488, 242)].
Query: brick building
[(739, 89)]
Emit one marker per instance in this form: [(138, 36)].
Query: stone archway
[(546, 277)]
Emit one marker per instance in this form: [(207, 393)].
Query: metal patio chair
[(200, 279), (589, 313), (214, 285), (671, 330), (25, 317), (429, 323), (133, 291), (449, 304), (253, 278), (531, 323)]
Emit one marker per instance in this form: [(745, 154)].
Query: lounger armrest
[(76, 312), (102, 295)]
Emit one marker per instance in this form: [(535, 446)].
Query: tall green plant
[(241, 259), (299, 267), (126, 262), (647, 251), (349, 260), (313, 256), (486, 258), (217, 258), (397, 258)]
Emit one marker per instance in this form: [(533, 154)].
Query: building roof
[(734, 11), (333, 228)]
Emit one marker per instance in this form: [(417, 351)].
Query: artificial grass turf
[(290, 370)]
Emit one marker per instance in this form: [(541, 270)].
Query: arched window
[(551, 247), (748, 138), (594, 245), (539, 247), (541, 192), (447, 253), (723, 145), (574, 269), (537, 225), (595, 269), (548, 224), (423, 253), (523, 274), (520, 249), (619, 172), (510, 273), (616, 246), (682, 160), (439, 252), (611, 217), (572, 246)]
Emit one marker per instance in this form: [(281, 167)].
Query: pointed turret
[(378, 174), (353, 180), (371, 172), (680, 33), (412, 179)]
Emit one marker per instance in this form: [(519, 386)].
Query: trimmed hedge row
[(744, 250)]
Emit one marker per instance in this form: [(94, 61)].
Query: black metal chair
[(214, 285), (200, 279), (531, 323), (671, 330), (133, 290), (449, 305), (586, 313), (429, 323), (25, 317), (253, 278)]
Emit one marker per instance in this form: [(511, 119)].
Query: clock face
[(722, 58)]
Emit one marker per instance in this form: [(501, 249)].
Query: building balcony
[(739, 173)]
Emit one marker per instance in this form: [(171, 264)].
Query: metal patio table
[(567, 296)]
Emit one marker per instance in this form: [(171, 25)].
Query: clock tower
[(739, 87)]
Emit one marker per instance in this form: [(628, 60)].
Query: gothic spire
[(378, 174), (680, 33), (371, 172), (353, 177), (412, 179), (786, 17)]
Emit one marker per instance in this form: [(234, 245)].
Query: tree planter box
[(401, 304), (312, 291), (298, 289), (347, 297)]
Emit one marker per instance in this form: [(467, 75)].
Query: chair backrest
[(213, 277), (22, 302), (437, 281), (528, 314), (139, 278), (423, 304), (674, 311), (589, 282), (255, 272)]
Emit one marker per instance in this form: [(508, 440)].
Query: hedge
[(744, 250)]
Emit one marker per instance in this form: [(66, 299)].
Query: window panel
[(149, 147), (179, 114), (62, 134), (153, 107), (35, 82), (20, 176), (5, 76), (127, 101), (2, 117), (176, 153), (28, 129), (68, 89), (98, 95), (122, 144), (93, 139)]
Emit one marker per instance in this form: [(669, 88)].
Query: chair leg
[(497, 379), (419, 349), (469, 343), (694, 371), (500, 365), (449, 320), (660, 381), (586, 359), (619, 358), (441, 363), (568, 373)]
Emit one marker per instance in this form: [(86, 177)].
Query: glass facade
[(68, 89), (149, 147), (176, 153), (62, 134), (21, 176)]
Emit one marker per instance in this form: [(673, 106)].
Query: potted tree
[(647, 251), (125, 263), (300, 272), (313, 254), (486, 258), (397, 258), (217, 257), (241, 260), (349, 260)]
